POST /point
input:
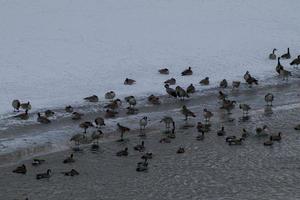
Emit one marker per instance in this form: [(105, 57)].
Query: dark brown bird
[(205, 81), (181, 92), (99, 121), (187, 72), (129, 81), (296, 61), (42, 119), (16, 105), (224, 83), (272, 55), (76, 115), (190, 89), (171, 91), (20, 170), (122, 130), (110, 113), (171, 81), (286, 55), (164, 71), (92, 98), (186, 112), (86, 125)]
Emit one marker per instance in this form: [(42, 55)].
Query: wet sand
[(209, 169)]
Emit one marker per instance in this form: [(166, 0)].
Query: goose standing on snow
[(285, 74), (16, 104), (204, 81), (129, 81), (223, 83), (115, 104), (181, 92), (190, 89), (236, 84), (269, 98), (296, 61), (278, 66), (249, 79), (186, 112), (99, 121), (26, 106), (245, 108), (143, 123), (42, 119), (286, 55), (122, 130), (164, 71), (272, 55), (23, 116), (228, 105), (207, 115), (170, 91), (131, 101), (77, 138), (110, 95), (168, 121), (187, 72), (85, 125), (93, 98), (96, 136), (171, 81), (44, 175)]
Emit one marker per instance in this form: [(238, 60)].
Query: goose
[(85, 125), (26, 106), (272, 55), (223, 83), (44, 175), (296, 61), (168, 121), (181, 92), (187, 72), (269, 142), (42, 119), (115, 104), (190, 89), (236, 141), (200, 137), (221, 132), (252, 81), (164, 71), (203, 127), (236, 84), (147, 156), (99, 121), (122, 130), (93, 98), (23, 116), (20, 170), (131, 101), (96, 135), (170, 91), (207, 114), (222, 96), (171, 81), (143, 123), (245, 133), (77, 138), (139, 147), (165, 140), (76, 115), (142, 166), (186, 112), (49, 113), (37, 162), (228, 105), (154, 99), (297, 127), (180, 150), (276, 137), (230, 138), (110, 113), (247, 75), (285, 74), (129, 81), (245, 108), (110, 95), (122, 152), (287, 55), (279, 66), (131, 111), (16, 104), (69, 109), (269, 99), (204, 81), (69, 159), (262, 131), (73, 172)]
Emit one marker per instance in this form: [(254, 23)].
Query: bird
[(129, 81), (16, 104), (204, 81), (171, 81), (96, 135), (186, 112), (229, 138), (245, 108), (26, 106), (122, 152), (49, 113), (221, 132), (285, 74), (168, 121), (140, 147), (187, 72), (203, 127), (278, 66), (76, 115), (223, 83), (77, 138), (236, 84), (143, 123), (69, 159), (190, 89), (115, 104), (170, 91), (245, 133), (262, 131), (207, 115), (269, 142), (93, 98), (296, 61), (110, 95), (73, 172), (222, 96), (131, 101), (181, 92), (44, 175), (37, 162), (276, 137), (235, 141), (85, 125), (200, 137), (164, 71), (20, 170), (287, 55), (228, 105), (269, 98), (42, 119), (180, 150), (69, 109), (247, 76), (154, 99), (110, 113), (147, 155), (272, 55), (99, 121), (23, 116), (249, 79), (142, 166), (122, 130)]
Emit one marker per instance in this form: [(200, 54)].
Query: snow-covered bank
[(57, 52)]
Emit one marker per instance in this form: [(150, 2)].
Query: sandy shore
[(210, 169)]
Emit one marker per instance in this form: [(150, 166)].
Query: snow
[(56, 52)]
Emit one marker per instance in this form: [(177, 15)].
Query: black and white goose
[(46, 175), (16, 104), (170, 91), (181, 93), (287, 55), (269, 98)]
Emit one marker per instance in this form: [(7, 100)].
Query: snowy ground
[(57, 52)]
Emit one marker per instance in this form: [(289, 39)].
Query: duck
[(49, 113), (187, 113), (296, 61), (16, 104), (154, 99), (279, 66), (69, 109), (223, 83), (171, 81), (42, 119), (269, 142), (142, 166), (228, 105), (44, 175), (37, 162), (245, 108), (164, 71), (76, 115), (262, 131), (285, 74), (287, 55), (131, 101), (110, 113), (190, 89), (122, 152), (236, 141), (180, 150), (236, 84), (73, 172), (93, 98), (85, 125), (165, 140), (170, 91), (122, 130), (110, 95), (168, 121), (129, 81), (69, 159), (207, 114), (99, 121), (187, 72), (26, 106), (272, 55), (269, 98), (297, 127), (147, 156), (140, 147), (245, 133), (276, 137), (20, 169), (181, 92), (200, 137), (221, 132), (23, 116), (143, 123), (204, 81)]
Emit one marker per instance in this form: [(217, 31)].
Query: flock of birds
[(111, 110)]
